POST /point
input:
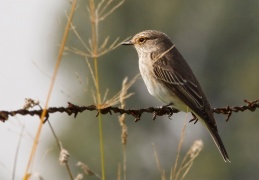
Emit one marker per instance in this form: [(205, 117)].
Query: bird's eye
[(141, 40)]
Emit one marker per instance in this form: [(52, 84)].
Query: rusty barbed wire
[(72, 109), (250, 105)]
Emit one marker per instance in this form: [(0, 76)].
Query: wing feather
[(185, 84)]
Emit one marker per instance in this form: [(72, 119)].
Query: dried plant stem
[(187, 162), (162, 172), (173, 172), (17, 151), (124, 133), (60, 148), (94, 40), (119, 172), (61, 50), (124, 162)]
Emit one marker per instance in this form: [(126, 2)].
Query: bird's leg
[(195, 119)]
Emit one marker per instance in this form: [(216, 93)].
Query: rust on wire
[(250, 105), (72, 109)]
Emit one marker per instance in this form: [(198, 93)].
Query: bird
[(170, 79)]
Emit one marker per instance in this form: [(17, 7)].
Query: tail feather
[(212, 128), (216, 138)]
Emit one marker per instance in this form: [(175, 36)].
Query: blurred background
[(219, 39)]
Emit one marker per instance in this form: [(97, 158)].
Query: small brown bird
[(170, 79)]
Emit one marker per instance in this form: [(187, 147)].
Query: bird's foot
[(163, 110), (195, 119)]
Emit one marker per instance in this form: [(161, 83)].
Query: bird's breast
[(156, 87)]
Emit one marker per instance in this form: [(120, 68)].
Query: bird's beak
[(127, 43)]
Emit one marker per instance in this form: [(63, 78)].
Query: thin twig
[(17, 151)]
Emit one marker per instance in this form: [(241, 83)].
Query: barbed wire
[(72, 109)]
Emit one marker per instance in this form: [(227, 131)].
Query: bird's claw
[(195, 119)]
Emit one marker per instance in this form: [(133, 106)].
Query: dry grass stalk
[(100, 52), (189, 157), (94, 51), (102, 8), (87, 170), (79, 176), (181, 172), (17, 152), (188, 160), (118, 97), (119, 172), (173, 172), (162, 172), (61, 50), (63, 157), (121, 96)]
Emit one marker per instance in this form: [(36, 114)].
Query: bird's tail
[(216, 138)]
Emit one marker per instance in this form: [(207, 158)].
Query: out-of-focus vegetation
[(219, 39)]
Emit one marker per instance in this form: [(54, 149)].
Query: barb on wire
[(72, 109), (250, 105)]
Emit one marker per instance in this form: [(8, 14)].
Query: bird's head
[(150, 41)]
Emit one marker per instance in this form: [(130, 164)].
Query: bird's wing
[(182, 82)]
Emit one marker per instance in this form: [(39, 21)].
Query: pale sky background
[(28, 41)]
